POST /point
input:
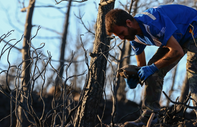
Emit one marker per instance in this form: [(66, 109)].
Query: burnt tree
[(173, 83), (87, 112), (26, 66), (63, 41), (184, 93), (125, 57)]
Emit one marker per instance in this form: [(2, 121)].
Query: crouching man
[(173, 28)]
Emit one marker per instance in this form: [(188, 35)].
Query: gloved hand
[(146, 71), (129, 73), (131, 82)]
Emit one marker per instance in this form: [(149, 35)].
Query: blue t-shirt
[(159, 24)]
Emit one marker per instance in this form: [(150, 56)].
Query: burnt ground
[(125, 111), (169, 117)]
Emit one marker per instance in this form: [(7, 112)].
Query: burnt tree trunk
[(87, 112), (125, 52), (64, 37), (184, 90), (26, 66), (184, 93), (173, 82)]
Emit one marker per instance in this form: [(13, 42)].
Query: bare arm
[(141, 61), (175, 53)]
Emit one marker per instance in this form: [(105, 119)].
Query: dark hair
[(116, 17)]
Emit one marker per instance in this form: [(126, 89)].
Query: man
[(173, 29)]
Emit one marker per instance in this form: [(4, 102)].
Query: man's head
[(120, 23)]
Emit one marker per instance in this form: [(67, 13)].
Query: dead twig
[(191, 107), (150, 120)]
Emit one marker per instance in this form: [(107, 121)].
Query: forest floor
[(129, 111), (125, 111)]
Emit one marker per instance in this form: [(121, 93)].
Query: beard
[(131, 34)]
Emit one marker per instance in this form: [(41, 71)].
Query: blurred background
[(48, 22)]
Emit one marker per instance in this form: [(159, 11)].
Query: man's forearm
[(175, 52), (168, 59), (141, 60)]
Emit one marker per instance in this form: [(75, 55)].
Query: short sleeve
[(137, 47), (162, 28)]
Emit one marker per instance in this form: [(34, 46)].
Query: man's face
[(125, 32)]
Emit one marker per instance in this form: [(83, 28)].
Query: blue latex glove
[(147, 71), (131, 82)]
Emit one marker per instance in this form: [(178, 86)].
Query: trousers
[(154, 84)]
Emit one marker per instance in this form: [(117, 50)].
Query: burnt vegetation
[(58, 105), (35, 93)]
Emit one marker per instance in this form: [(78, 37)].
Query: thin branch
[(191, 107), (57, 2), (150, 120), (19, 49), (49, 29), (80, 18)]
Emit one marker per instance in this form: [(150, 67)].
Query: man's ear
[(129, 23)]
